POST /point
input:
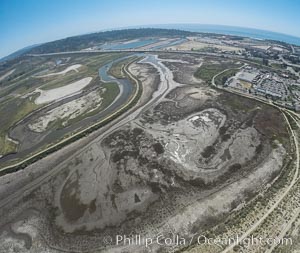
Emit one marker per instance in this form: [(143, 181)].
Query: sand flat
[(74, 67), (68, 111), (196, 45), (71, 89)]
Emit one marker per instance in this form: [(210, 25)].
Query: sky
[(28, 22)]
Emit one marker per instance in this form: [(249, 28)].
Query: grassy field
[(222, 78), (112, 90), (11, 112), (6, 146), (116, 68), (208, 70)]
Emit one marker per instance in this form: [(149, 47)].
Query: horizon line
[(165, 24)]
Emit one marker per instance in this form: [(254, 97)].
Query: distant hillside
[(17, 53), (88, 40)]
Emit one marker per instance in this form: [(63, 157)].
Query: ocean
[(232, 30)]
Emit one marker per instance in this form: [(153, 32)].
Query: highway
[(118, 111), (125, 69), (250, 60), (287, 63)]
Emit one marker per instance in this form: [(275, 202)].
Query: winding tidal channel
[(30, 141)]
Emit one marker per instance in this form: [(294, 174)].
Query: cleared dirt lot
[(196, 45)]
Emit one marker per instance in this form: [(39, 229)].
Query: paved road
[(295, 177), (214, 77), (288, 63), (255, 225)]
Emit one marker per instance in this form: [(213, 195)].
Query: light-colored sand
[(263, 47), (278, 49), (68, 111), (130, 41), (174, 60), (161, 42), (11, 140), (71, 89), (187, 138), (7, 74), (196, 45), (70, 68)]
